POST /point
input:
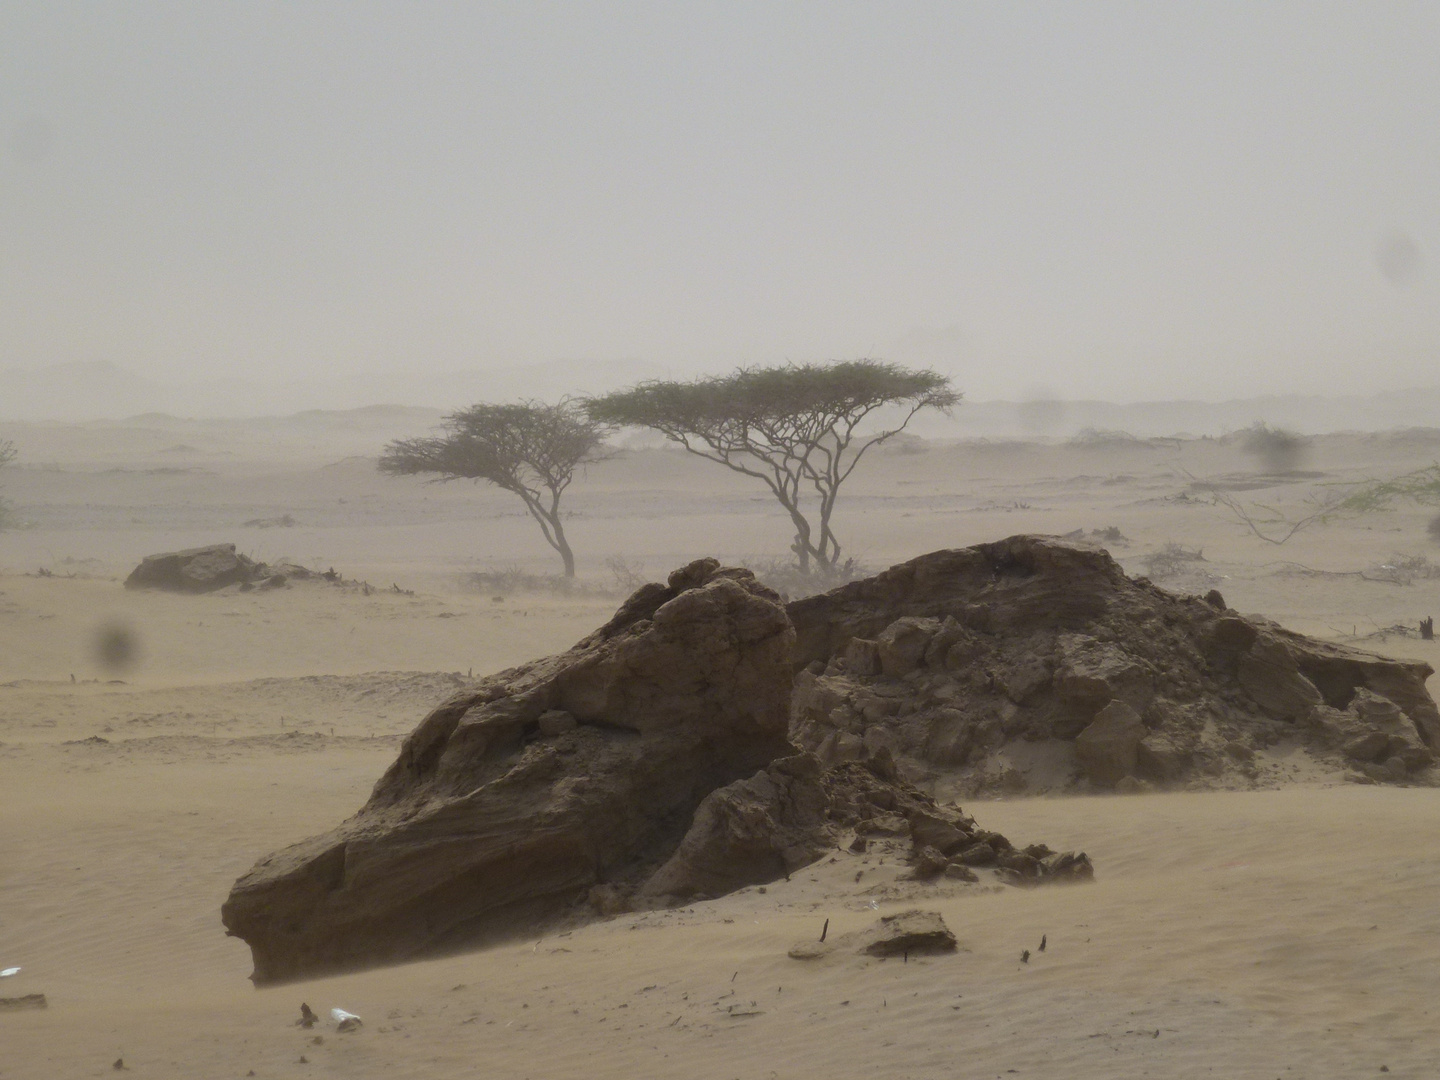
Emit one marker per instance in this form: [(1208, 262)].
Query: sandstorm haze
[(1103, 201)]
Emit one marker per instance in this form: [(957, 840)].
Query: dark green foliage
[(530, 449), (793, 427)]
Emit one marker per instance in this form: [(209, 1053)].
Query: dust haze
[(1181, 262)]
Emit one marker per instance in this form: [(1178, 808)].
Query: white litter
[(8, 972), (345, 1021)]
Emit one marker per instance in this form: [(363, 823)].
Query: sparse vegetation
[(1277, 528), (1403, 570), (1278, 450), (529, 449), (629, 576), (794, 427), (792, 583), (1421, 486)]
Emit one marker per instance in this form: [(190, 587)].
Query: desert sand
[(1289, 932)]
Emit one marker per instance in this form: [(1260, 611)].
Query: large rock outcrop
[(1036, 664), (513, 798), (648, 765)]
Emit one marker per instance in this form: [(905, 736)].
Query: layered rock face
[(1036, 664)]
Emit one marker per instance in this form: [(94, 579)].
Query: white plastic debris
[(345, 1021), (7, 972)]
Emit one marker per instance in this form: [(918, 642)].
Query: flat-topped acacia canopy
[(794, 427)]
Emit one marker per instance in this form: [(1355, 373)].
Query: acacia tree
[(794, 427), (530, 449)]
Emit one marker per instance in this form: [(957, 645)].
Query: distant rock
[(195, 570), (207, 569)]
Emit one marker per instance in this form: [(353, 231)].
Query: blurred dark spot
[(1398, 257), (117, 646)]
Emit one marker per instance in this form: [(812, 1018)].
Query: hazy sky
[(1113, 200)]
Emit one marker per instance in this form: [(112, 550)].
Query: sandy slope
[(1288, 933)]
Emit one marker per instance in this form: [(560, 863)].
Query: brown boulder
[(748, 833), (483, 825), (195, 570)]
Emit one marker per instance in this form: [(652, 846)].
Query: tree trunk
[(563, 546)]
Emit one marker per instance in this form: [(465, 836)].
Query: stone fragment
[(862, 657), (902, 644), (914, 932), (977, 855), (929, 862)]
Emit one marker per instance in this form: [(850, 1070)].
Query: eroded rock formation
[(1036, 664), (648, 765)]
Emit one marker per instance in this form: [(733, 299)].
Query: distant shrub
[(1278, 450)]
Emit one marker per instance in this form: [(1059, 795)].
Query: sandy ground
[(1289, 933)]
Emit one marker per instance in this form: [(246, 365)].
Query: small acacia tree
[(794, 427), (530, 449)]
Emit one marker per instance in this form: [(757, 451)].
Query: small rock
[(930, 862), (977, 855), (960, 872), (862, 657), (808, 950), (912, 932)]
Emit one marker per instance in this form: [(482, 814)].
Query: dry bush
[(792, 583), (1171, 560), (1278, 450), (1403, 570)]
